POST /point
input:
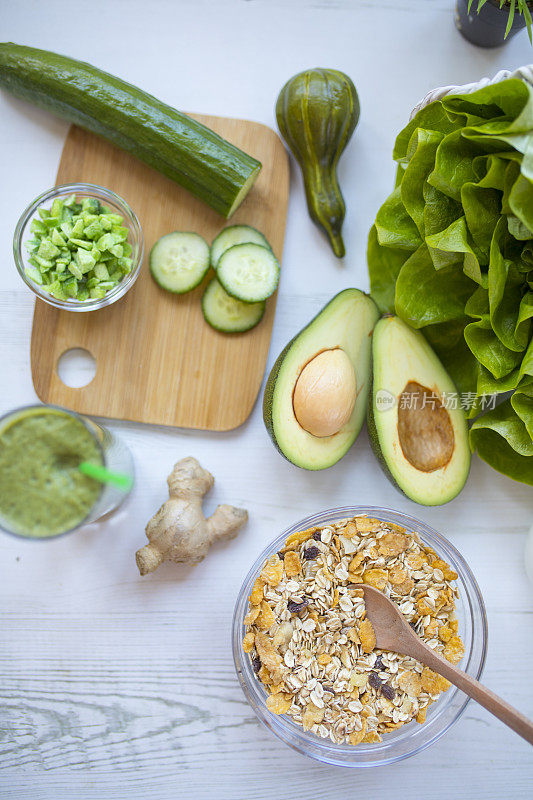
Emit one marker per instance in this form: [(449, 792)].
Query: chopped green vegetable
[(78, 250), (451, 253)]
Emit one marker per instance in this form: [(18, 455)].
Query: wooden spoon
[(394, 633)]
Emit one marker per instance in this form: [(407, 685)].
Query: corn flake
[(355, 563), (432, 683), (272, 572), (357, 736), (293, 565), (449, 574), (312, 716), (353, 636), (357, 680), (367, 636), (296, 539), (270, 658), (266, 617), (279, 703), (404, 588), (410, 683), (367, 524), (376, 577), (257, 592), (283, 635), (252, 615), (392, 544), (397, 575), (425, 608), (350, 530), (415, 561), (454, 650), (372, 737)]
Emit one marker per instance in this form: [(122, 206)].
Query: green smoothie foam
[(42, 492)]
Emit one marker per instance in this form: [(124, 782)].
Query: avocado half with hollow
[(316, 394), (416, 425)]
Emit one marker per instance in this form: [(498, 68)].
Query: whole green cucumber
[(182, 149)]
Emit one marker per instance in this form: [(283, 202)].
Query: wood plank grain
[(157, 360)]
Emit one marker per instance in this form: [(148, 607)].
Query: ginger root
[(179, 531)]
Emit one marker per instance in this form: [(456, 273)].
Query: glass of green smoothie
[(43, 494)]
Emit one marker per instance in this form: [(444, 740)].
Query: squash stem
[(337, 244)]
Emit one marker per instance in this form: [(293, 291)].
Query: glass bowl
[(412, 737), (108, 198)]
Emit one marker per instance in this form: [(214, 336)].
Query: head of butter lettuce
[(451, 253)]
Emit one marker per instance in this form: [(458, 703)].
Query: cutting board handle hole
[(76, 367)]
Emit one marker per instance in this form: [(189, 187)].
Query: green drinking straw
[(103, 475)]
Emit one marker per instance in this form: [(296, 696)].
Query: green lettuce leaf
[(384, 264), (500, 438), (522, 403), (426, 296), (394, 226), (440, 211), (482, 213), (448, 341), (505, 290), (456, 240), (430, 118), (490, 171), (454, 165), (508, 105), (422, 149)]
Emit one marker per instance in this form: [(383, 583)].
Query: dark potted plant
[(492, 22)]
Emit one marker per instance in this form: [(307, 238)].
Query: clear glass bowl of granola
[(315, 688)]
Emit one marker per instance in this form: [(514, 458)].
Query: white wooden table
[(117, 686)]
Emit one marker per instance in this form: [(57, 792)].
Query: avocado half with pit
[(416, 425), (316, 394)]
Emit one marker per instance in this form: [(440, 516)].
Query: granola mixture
[(312, 646)]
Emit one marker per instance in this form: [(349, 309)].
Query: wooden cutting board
[(157, 360)]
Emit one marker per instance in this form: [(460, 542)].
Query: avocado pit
[(325, 393), (425, 430)]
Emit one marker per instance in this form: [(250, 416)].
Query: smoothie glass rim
[(85, 421)]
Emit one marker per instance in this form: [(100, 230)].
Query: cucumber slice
[(248, 272), (179, 261), (232, 235), (227, 314)]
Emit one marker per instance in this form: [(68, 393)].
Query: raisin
[(256, 664), (387, 691), (379, 664), (374, 680), (317, 536), (281, 555), (329, 689), (311, 553), (294, 608)]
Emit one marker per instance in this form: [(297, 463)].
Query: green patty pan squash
[(317, 111)]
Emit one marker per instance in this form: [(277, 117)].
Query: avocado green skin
[(317, 112), (268, 395), (171, 142)]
